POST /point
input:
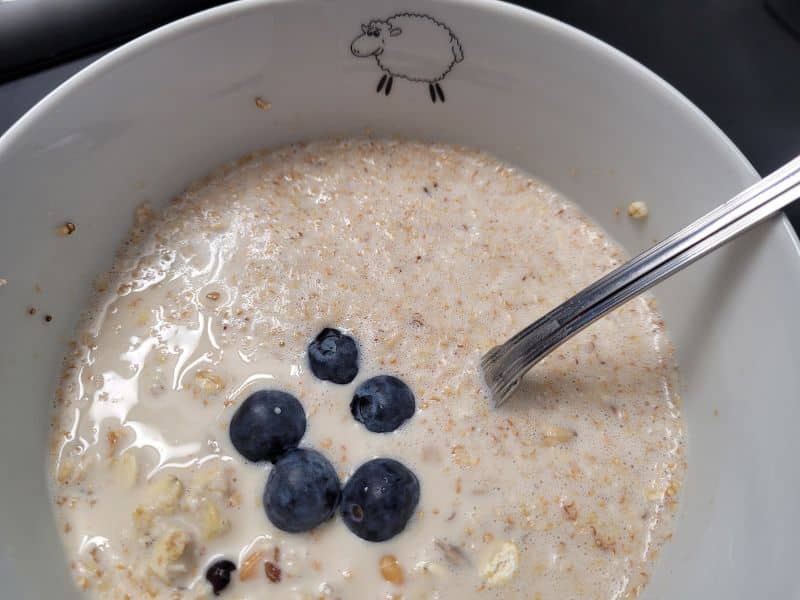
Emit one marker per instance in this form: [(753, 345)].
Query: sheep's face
[(373, 37)]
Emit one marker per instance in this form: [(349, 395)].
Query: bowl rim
[(207, 17)]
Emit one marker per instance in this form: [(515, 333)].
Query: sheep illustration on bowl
[(410, 46)]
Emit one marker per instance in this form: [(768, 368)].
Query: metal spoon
[(503, 366)]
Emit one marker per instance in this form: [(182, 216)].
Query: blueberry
[(267, 424), (382, 403), (379, 499), (302, 491), (219, 574), (333, 356)]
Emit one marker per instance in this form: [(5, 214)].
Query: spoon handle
[(504, 365)]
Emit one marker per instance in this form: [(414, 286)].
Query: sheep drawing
[(410, 46)]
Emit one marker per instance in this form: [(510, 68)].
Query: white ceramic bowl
[(152, 116)]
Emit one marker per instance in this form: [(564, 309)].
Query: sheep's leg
[(389, 83), (380, 83), (432, 93), (439, 91)]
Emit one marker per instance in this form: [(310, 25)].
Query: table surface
[(733, 58)]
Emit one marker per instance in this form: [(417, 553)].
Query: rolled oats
[(413, 249), (171, 557), (638, 210), (502, 566)]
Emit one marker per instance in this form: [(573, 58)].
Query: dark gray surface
[(36, 34), (732, 58)]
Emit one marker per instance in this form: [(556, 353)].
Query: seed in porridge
[(272, 571), (219, 575), (267, 424), (382, 403), (302, 491), (391, 570), (333, 356), (604, 542), (555, 434), (450, 552), (462, 457), (570, 510), (249, 564), (379, 499)]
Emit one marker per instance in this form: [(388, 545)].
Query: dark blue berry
[(379, 499), (267, 424), (302, 491), (219, 575), (333, 356), (382, 403)]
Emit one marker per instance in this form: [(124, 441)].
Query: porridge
[(275, 393)]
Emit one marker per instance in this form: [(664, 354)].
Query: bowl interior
[(151, 117)]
